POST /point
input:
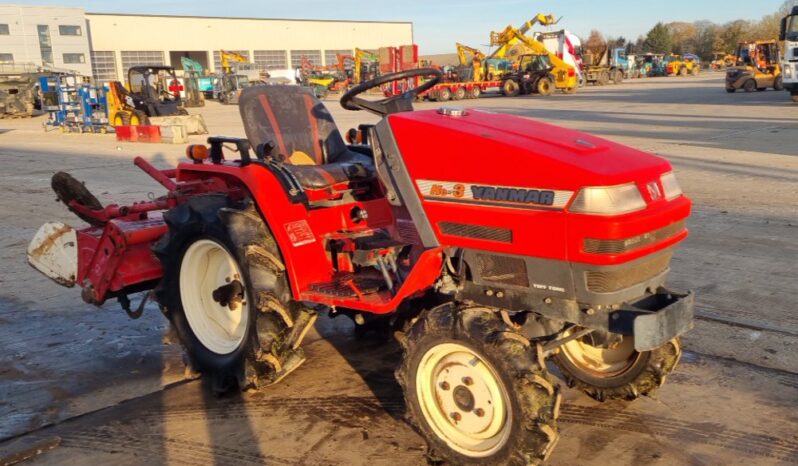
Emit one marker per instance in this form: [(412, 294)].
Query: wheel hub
[(463, 399), (213, 296)]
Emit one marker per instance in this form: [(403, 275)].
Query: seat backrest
[(293, 119)]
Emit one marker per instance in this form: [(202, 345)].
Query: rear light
[(670, 186), (571, 72), (611, 200)]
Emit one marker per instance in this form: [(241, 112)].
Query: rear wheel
[(477, 395), (617, 77), (510, 88), (683, 71), (475, 92), (794, 96), (616, 371), (225, 293), (695, 70), (459, 93), (604, 78), (444, 94), (749, 86), (545, 87)]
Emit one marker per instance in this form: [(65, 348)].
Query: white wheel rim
[(206, 266), (463, 400), (598, 360)]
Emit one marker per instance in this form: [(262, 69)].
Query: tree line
[(703, 38)]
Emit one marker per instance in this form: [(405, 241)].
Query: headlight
[(788, 71), (670, 186), (612, 200)]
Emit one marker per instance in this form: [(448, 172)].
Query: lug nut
[(456, 417), (468, 381), (479, 412), (444, 385), (500, 294), (590, 311), (489, 292)]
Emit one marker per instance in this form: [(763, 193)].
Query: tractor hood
[(500, 149)]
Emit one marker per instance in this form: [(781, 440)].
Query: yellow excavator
[(565, 76), (477, 58), (228, 57)]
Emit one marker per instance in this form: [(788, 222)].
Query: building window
[(271, 59), (314, 56), (73, 58), (45, 46), (6, 58), (69, 30), (217, 57), (103, 66), (142, 57), (331, 56), (4, 30)]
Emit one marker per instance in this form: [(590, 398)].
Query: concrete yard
[(107, 390)]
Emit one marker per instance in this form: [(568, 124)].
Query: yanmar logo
[(503, 196), (524, 196)]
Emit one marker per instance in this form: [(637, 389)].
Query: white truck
[(567, 46), (789, 34)]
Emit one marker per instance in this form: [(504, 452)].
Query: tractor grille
[(617, 246), (608, 282), (502, 235), (502, 270)]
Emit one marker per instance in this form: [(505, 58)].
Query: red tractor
[(486, 242)]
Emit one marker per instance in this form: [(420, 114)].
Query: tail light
[(571, 72)]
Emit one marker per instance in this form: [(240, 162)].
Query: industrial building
[(106, 45)]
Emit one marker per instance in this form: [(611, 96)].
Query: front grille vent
[(501, 270), (617, 246), (502, 235), (608, 282)]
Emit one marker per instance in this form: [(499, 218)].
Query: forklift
[(757, 67)]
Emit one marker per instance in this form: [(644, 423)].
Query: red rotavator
[(485, 243)]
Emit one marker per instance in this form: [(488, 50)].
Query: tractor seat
[(305, 137)]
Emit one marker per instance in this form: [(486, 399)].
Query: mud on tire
[(275, 323), (645, 372), (530, 397)]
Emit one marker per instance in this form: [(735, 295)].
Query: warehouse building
[(112, 43)]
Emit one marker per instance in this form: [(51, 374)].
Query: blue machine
[(73, 104)]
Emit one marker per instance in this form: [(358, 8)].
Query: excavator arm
[(227, 57)]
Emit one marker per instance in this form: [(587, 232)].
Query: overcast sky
[(438, 24)]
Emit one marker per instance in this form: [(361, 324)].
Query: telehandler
[(486, 242)]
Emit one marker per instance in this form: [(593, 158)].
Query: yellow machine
[(227, 57), (682, 66), (758, 67), (360, 57), (565, 76), (477, 58), (722, 60)]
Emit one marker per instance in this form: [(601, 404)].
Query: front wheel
[(474, 393), (616, 371), (545, 87), (510, 88), (778, 84)]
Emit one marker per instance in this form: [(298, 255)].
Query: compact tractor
[(558, 248)]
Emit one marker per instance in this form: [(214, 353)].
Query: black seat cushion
[(294, 120)]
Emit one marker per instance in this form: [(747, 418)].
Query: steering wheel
[(398, 103)]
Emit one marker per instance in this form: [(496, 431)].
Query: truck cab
[(789, 34)]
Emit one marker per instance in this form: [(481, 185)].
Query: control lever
[(242, 147)]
